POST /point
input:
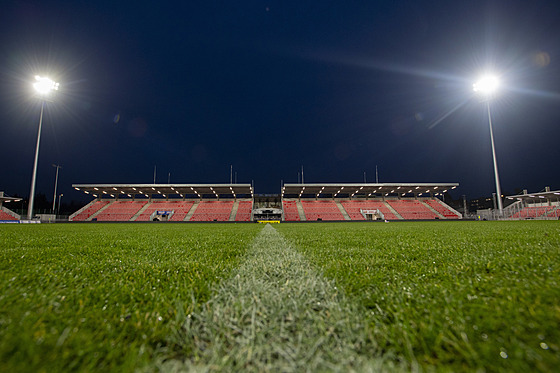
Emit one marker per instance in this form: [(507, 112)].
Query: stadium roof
[(537, 197), (246, 190), (165, 190), (4, 198), (364, 189)]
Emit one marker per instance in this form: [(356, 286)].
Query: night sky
[(339, 87)]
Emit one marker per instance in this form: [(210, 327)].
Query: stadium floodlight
[(487, 86), (43, 86)]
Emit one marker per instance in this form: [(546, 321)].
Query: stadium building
[(239, 203)]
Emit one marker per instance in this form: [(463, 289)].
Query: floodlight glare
[(487, 85), (45, 85)]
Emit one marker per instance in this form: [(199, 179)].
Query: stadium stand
[(441, 208), (411, 209), (531, 212), (120, 211), (89, 210), (353, 209), (213, 211), (321, 210), (6, 216), (237, 202), (244, 211), (290, 211), (180, 209)]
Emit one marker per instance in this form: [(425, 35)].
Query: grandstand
[(166, 202), (542, 205), (237, 202)]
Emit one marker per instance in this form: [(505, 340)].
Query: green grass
[(448, 296), (103, 297), (276, 314), (451, 296)]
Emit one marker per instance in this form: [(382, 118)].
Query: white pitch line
[(276, 314)]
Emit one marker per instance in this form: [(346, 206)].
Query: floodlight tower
[(487, 87), (44, 87)]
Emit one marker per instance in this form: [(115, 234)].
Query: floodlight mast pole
[(34, 177), (55, 185), (498, 189)]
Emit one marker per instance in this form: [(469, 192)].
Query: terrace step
[(191, 211), (140, 211), (343, 211), (393, 210), (300, 211), (99, 211), (234, 211), (433, 210), (450, 208)]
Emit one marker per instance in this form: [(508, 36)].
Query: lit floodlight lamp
[(486, 85), (44, 85)]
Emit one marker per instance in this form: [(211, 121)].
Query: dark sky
[(339, 87)]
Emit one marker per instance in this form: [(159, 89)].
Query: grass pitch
[(450, 296), (102, 297), (445, 296)]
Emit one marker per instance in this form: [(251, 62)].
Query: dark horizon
[(269, 87)]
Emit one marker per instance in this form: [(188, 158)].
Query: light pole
[(487, 86), (59, 197), (43, 86), (55, 185)]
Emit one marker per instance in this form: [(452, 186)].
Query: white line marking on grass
[(276, 314)]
